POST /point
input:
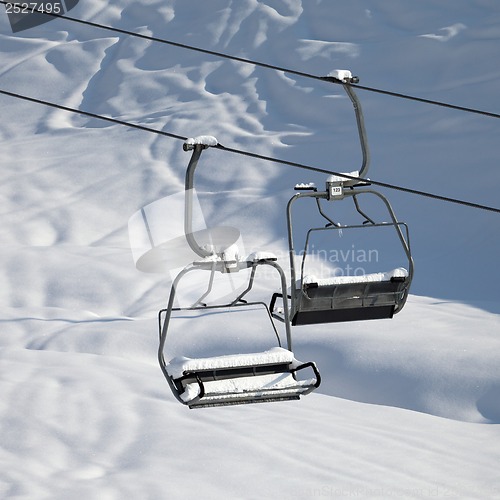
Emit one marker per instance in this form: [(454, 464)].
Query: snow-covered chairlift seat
[(350, 298), (380, 295), (238, 379), (242, 378)]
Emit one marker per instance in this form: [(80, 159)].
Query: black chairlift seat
[(347, 298), (238, 379), (350, 298), (231, 379)]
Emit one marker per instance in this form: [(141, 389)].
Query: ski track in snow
[(408, 408)]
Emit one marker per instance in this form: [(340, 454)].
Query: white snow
[(247, 388), (157, 246), (204, 140), (243, 388), (305, 185), (178, 366), (261, 255), (363, 278), (408, 408), (341, 178), (343, 75)]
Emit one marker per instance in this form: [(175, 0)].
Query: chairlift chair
[(272, 375), (345, 298)]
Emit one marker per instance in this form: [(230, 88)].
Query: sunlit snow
[(407, 408)]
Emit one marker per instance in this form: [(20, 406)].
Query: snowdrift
[(408, 407)]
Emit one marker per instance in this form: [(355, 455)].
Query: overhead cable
[(252, 154), (91, 115), (264, 65)]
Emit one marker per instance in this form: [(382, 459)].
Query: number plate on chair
[(336, 191)]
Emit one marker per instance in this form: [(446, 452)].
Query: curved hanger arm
[(197, 145), (188, 201), (361, 128), (345, 78)]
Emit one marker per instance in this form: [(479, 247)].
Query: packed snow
[(243, 388), (365, 278), (407, 408)]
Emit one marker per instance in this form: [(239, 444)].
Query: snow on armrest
[(180, 365), (261, 255), (400, 272)]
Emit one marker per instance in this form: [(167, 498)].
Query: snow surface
[(408, 407)]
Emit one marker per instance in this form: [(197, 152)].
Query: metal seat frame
[(321, 306), (213, 265), (304, 304), (200, 377), (350, 301)]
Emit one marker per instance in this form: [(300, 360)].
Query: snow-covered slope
[(406, 406)]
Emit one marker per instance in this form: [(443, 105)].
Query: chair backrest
[(349, 301)]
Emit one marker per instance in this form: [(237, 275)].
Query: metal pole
[(361, 129), (188, 204)]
